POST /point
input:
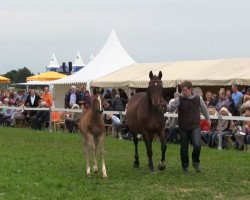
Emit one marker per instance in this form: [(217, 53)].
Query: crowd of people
[(229, 102)]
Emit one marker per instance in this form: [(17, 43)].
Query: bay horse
[(145, 116), (92, 129)]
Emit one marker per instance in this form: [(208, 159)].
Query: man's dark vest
[(189, 113)]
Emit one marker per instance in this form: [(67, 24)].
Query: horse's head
[(97, 103), (155, 88)]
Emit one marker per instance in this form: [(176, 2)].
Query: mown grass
[(42, 165)]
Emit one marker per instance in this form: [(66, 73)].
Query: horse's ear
[(160, 75), (94, 91), (151, 75), (102, 91)]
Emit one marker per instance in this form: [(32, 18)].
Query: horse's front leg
[(148, 143), (162, 164), (136, 162)]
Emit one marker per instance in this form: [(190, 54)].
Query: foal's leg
[(95, 167), (148, 143), (87, 156), (136, 162), (162, 165), (102, 155)]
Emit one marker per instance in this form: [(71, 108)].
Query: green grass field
[(43, 165)]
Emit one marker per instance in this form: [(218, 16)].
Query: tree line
[(18, 76)]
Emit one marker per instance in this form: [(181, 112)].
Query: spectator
[(237, 97), (242, 134), (5, 117), (32, 101), (72, 120), (40, 117), (123, 96), (87, 100), (19, 114), (117, 104), (115, 123), (226, 128), (207, 136), (230, 101), (72, 97), (221, 101), (47, 97), (172, 123), (209, 101), (107, 106)]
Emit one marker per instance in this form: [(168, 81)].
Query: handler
[(190, 105)]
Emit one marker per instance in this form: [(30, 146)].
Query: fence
[(123, 113)]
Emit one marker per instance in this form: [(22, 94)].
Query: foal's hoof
[(104, 176), (161, 166)]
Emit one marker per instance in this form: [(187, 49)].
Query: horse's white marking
[(155, 83), (99, 99)]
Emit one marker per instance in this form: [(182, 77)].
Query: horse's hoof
[(96, 172), (104, 176), (88, 175), (136, 165), (152, 171), (161, 166)]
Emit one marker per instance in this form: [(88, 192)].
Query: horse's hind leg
[(102, 155), (162, 164), (136, 162)]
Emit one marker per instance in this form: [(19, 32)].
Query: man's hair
[(186, 84), (235, 85)]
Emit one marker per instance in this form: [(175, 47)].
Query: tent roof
[(78, 61), (53, 62), (203, 72), (4, 79), (46, 76), (112, 57)]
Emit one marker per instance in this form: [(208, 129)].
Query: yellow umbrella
[(4, 80), (47, 76)]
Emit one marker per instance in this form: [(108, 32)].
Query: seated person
[(72, 120), (19, 114), (107, 106), (242, 134), (40, 117), (226, 128), (5, 117), (207, 135)]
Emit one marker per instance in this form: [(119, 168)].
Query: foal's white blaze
[(100, 102)]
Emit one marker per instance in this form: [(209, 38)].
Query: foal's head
[(155, 88), (97, 104)]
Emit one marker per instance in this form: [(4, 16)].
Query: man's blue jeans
[(190, 137)]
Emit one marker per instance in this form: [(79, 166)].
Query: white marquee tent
[(53, 64), (201, 73), (78, 63), (112, 57)]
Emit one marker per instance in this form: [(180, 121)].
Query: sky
[(149, 30)]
